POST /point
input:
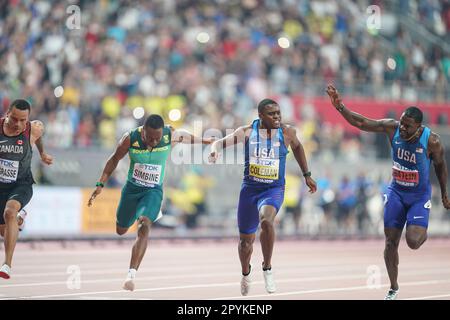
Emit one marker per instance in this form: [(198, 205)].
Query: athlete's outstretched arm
[(37, 131), (299, 154), (440, 166), (111, 164), (234, 138), (355, 119), (184, 136)]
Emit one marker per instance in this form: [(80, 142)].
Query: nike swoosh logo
[(418, 217), (3, 141), (396, 142)]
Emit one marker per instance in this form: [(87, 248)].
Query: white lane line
[(123, 291), (299, 268), (51, 283), (417, 283), (309, 279), (428, 297), (432, 271)]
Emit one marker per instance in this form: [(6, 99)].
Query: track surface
[(206, 269)]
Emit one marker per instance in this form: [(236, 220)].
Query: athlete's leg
[(138, 251), (126, 210), (391, 257), (11, 229), (4, 197), (394, 221), (245, 249), (417, 222), (248, 222), (415, 236), (267, 235), (140, 245), (268, 206)]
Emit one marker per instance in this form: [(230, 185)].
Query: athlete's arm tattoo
[(113, 160), (39, 145), (440, 165)]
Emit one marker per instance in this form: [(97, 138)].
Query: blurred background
[(95, 69)]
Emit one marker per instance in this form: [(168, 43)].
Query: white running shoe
[(129, 284), (268, 279), (5, 270), (21, 219), (245, 284), (391, 295), (129, 281)]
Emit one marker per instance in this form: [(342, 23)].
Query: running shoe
[(5, 270), (269, 282), (391, 295)]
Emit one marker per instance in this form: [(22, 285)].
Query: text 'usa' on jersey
[(15, 157), (265, 158), (411, 164)]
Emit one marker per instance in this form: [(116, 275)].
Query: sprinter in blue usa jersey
[(408, 199), (266, 143)]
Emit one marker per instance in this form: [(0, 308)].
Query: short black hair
[(154, 121), (264, 103), (415, 113), (20, 104)]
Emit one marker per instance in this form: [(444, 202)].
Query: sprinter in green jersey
[(148, 147)]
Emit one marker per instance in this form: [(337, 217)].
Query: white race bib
[(9, 170), (264, 168), (147, 175)]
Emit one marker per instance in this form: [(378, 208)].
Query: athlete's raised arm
[(387, 126), (440, 166), (37, 131), (299, 154), (111, 165), (184, 136), (234, 138)]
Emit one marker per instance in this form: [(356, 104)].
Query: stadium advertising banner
[(101, 217), (54, 212)]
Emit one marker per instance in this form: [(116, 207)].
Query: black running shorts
[(21, 193)]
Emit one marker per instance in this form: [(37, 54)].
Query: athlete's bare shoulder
[(37, 129), (434, 140), (246, 129), (288, 130), (125, 140)]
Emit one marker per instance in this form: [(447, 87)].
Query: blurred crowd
[(434, 14), (211, 60)]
